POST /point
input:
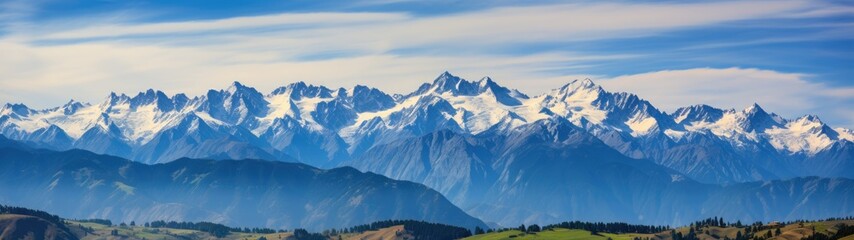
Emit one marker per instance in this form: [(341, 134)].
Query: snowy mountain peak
[(758, 112), (579, 86), (181, 100), (811, 124), (575, 100), (454, 87), (486, 84), (754, 109), (754, 118), (151, 93), (447, 83), (151, 96), (115, 99), (358, 90), (72, 106), (363, 116), (588, 105), (300, 90), (236, 86), (844, 133), (697, 113), (587, 83), (342, 92), (18, 109), (238, 104), (805, 134), (809, 118), (501, 94), (366, 99), (73, 103), (238, 89), (445, 75)]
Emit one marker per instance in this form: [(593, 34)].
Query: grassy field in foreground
[(91, 231), (788, 232), (558, 233), (394, 232)]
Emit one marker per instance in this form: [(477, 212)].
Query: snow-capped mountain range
[(325, 127), (490, 150)]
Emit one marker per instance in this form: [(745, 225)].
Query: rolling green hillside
[(791, 231), (16, 226), (558, 233)]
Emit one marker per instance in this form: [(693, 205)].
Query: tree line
[(215, 229), (418, 229), (612, 227), (96, 220)]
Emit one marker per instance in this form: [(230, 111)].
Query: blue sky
[(791, 57)]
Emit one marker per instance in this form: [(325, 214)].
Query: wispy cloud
[(12, 12), (283, 22), (561, 22), (15, 9)]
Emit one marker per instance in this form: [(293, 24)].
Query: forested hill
[(255, 193)]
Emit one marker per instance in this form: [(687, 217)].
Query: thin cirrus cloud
[(57, 61), (293, 21), (499, 25)]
